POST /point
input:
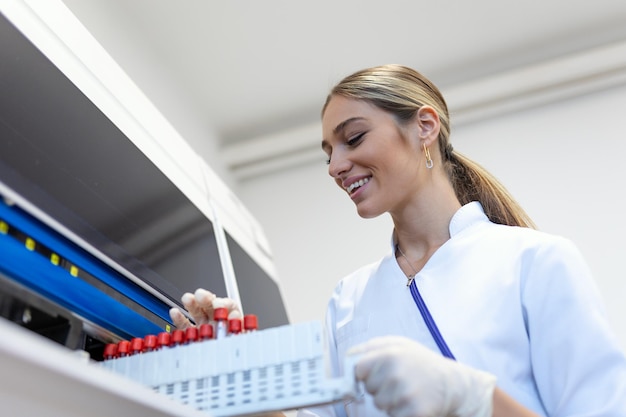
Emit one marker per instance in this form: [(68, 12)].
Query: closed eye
[(355, 139), (352, 142)]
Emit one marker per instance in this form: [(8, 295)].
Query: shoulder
[(522, 238), (470, 226), (528, 253)]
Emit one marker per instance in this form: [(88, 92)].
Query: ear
[(428, 124)]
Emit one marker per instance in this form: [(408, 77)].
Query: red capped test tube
[(234, 326), (250, 323), (206, 331), (178, 337), (110, 351), (191, 334), (164, 339), (149, 343), (220, 315), (123, 348), (136, 345)]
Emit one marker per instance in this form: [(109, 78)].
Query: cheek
[(398, 165), (401, 175)]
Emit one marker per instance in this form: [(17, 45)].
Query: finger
[(179, 319), (382, 400), (233, 308), (370, 368), (384, 380), (204, 298), (204, 301), (388, 395), (368, 356), (227, 303), (235, 314), (191, 305)]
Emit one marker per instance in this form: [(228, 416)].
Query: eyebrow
[(340, 128)]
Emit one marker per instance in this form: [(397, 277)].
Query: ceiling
[(250, 68)]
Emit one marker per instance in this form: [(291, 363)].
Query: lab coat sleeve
[(578, 364)]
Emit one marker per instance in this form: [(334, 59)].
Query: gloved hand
[(200, 306), (407, 379)]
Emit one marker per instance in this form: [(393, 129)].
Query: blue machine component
[(59, 285)]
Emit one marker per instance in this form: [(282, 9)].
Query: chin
[(367, 212)]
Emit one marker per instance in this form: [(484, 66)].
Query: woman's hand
[(200, 306), (407, 379)]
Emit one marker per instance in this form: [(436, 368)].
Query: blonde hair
[(401, 91)]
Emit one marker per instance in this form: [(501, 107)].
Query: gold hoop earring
[(429, 161)]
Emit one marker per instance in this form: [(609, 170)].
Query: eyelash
[(355, 139), (351, 142)]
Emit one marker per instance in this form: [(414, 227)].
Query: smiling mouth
[(357, 184)]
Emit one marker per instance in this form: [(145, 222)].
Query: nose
[(338, 165)]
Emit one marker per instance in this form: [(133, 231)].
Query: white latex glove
[(200, 306), (408, 379)]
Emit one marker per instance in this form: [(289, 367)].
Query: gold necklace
[(410, 278)]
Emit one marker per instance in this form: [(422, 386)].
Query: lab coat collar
[(466, 216)]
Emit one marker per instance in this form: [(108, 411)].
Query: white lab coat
[(515, 302)]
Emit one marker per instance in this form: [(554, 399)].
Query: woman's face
[(374, 160)]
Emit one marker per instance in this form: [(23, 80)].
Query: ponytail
[(472, 182)]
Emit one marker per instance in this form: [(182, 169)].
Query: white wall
[(562, 161)]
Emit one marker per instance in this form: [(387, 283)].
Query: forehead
[(340, 109)]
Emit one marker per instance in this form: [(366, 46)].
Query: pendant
[(409, 280)]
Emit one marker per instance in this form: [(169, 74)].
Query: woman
[(473, 312)]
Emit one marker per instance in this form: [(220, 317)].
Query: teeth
[(357, 184)]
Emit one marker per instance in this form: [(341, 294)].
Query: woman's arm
[(505, 406)]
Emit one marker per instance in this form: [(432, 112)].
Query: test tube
[(123, 348), (121, 365), (136, 345), (234, 326), (148, 368), (149, 343), (191, 334), (163, 340), (250, 323), (206, 331), (220, 315), (178, 337), (110, 351)]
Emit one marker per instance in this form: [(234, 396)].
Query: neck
[(422, 222), (423, 234)]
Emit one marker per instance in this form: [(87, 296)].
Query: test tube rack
[(276, 369)]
